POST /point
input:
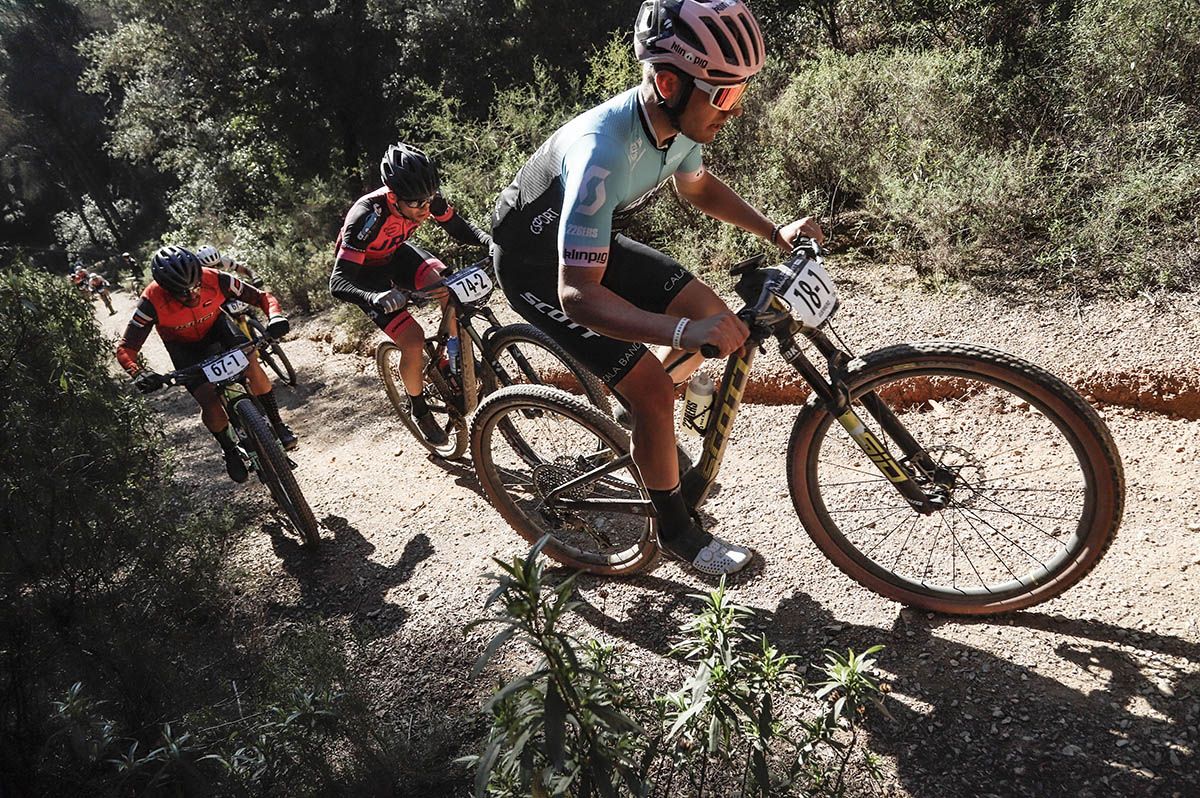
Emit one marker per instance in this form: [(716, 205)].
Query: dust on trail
[(1094, 693)]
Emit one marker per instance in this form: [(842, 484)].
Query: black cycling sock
[(676, 529), (226, 438), (271, 405), (419, 406)]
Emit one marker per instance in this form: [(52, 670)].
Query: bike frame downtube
[(726, 403), (466, 354)]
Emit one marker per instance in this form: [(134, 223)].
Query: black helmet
[(177, 270), (408, 172)]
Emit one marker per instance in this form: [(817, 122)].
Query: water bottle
[(697, 404), (452, 353)]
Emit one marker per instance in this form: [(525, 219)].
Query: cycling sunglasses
[(416, 203), (723, 98)]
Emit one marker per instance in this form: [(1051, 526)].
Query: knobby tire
[(276, 471), (1031, 439), (511, 476)]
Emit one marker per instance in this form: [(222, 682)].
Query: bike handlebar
[(422, 297), (179, 377), (803, 245)]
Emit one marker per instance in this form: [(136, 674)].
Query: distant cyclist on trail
[(184, 302), (558, 245), (376, 265), (211, 258), (100, 287)]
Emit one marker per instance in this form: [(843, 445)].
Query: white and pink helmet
[(714, 40)]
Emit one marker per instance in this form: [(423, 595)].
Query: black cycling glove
[(148, 381), (278, 326)]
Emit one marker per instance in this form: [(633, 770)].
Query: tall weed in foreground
[(579, 725)]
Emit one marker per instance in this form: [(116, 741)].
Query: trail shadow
[(463, 472), (967, 721), (340, 579)]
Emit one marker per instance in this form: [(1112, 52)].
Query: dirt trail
[(1094, 693)]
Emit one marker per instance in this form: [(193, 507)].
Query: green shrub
[(121, 647), (578, 724)]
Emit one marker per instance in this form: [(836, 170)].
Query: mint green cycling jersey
[(584, 183)]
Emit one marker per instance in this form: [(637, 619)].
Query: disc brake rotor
[(959, 472)]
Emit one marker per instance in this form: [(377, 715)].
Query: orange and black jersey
[(372, 233), (176, 322)]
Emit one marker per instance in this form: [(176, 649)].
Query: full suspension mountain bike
[(227, 373), (943, 475), (489, 356)]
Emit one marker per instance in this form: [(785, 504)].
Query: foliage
[(121, 650), (579, 725)]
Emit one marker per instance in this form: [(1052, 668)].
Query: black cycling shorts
[(223, 336), (641, 275), (409, 268)]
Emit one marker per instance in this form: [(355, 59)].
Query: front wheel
[(439, 395), (558, 439), (275, 470), (1031, 481), (273, 355)]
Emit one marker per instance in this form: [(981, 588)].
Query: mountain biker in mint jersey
[(376, 264), (210, 257), (184, 302), (565, 267)]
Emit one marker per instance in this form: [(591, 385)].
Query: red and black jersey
[(372, 232), (178, 322)]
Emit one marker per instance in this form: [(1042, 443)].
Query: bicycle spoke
[(1013, 487)]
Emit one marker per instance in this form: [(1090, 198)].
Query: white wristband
[(677, 338)]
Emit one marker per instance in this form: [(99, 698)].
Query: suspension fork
[(835, 398)]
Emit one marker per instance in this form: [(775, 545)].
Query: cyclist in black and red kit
[(376, 264), (184, 303)]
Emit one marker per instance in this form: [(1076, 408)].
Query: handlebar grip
[(708, 350)]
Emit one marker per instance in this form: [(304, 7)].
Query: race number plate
[(810, 293), (228, 365), (470, 285)]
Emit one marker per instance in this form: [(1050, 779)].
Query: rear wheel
[(276, 471), (439, 394), (273, 355), (521, 354), (559, 438), (1031, 479)]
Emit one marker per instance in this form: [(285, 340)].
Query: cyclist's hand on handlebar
[(278, 326), (806, 227), (148, 381), (390, 301), (724, 331)]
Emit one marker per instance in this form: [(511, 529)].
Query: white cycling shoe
[(718, 558)]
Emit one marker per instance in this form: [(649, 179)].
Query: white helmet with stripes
[(714, 40)]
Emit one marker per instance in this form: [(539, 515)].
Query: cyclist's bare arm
[(589, 303), (713, 197)]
